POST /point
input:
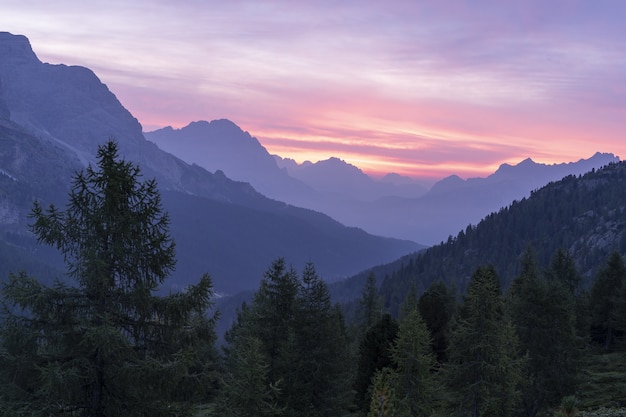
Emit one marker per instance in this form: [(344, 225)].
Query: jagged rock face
[(52, 119), (70, 106), (66, 103)]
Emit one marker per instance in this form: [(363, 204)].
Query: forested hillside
[(584, 215), (543, 342)]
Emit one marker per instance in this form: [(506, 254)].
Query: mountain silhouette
[(52, 119)]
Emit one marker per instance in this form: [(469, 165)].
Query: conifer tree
[(105, 344), (274, 308), (544, 318), (245, 387), (374, 355), (605, 298), (437, 306), (384, 399), (320, 361), (484, 369), (369, 304), (303, 341), (415, 384)]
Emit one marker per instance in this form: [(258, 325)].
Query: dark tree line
[(106, 344)]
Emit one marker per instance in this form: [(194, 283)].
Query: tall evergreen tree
[(321, 359), (384, 400), (274, 308), (437, 306), (605, 298), (484, 369), (563, 269), (106, 345), (369, 304), (415, 384), (543, 314), (374, 355), (303, 341), (246, 390)]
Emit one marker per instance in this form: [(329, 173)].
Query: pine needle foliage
[(105, 344)]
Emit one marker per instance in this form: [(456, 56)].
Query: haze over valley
[(321, 209)]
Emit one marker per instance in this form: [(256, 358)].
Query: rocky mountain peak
[(15, 49)]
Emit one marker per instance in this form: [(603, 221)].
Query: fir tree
[(605, 298), (544, 318), (415, 384), (374, 355), (246, 390), (484, 369), (369, 304), (106, 345), (437, 306)]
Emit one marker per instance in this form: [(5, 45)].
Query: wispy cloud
[(429, 87)]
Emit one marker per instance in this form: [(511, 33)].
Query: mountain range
[(585, 216), (394, 205), (52, 119)]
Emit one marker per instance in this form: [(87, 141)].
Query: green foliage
[(437, 306), (584, 214), (607, 298), (245, 388), (107, 346), (416, 385), (374, 355), (384, 399), (484, 368), (370, 305), (603, 382), (303, 340), (543, 314)]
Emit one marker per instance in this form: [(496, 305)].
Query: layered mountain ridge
[(52, 119), (393, 206)]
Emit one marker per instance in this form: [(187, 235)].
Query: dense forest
[(542, 337)]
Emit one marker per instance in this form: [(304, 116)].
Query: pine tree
[(374, 355), (106, 345), (321, 356), (437, 306), (544, 318), (246, 390), (370, 308), (274, 308), (303, 341), (384, 399), (415, 383), (605, 298), (484, 369)]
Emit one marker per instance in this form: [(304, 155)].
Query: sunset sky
[(422, 88)]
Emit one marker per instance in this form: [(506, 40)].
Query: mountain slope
[(585, 215), (222, 145), (391, 206), (53, 117)]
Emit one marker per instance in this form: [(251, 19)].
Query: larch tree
[(544, 317), (605, 299), (106, 344), (416, 384), (484, 368), (374, 355)]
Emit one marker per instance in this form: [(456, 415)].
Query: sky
[(418, 87)]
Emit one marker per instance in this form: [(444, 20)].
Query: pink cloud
[(421, 88)]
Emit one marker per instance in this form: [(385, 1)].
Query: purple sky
[(423, 88)]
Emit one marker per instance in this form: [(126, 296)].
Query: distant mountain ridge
[(583, 215), (393, 206), (52, 119)]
